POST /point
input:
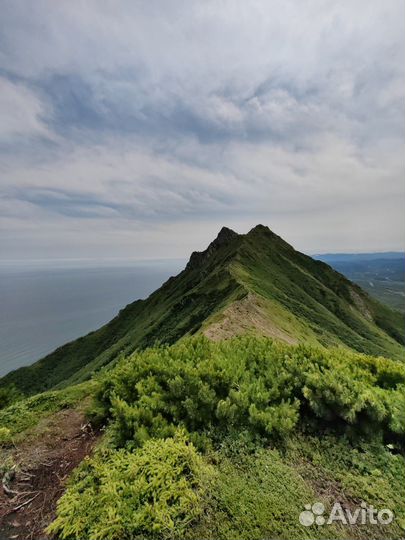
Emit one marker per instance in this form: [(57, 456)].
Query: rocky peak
[(225, 236)]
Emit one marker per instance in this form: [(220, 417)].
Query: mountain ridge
[(254, 282)]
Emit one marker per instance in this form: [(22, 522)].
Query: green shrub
[(365, 392), (9, 394), (156, 490), (199, 385), (26, 413), (5, 435), (234, 397), (250, 383)]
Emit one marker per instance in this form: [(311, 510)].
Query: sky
[(138, 129)]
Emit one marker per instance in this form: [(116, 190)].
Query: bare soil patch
[(32, 486), (246, 315)]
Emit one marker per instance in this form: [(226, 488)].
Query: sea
[(43, 306)]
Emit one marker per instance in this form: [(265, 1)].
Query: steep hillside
[(207, 440), (308, 300), (254, 282)]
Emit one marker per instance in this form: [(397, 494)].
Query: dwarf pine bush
[(120, 495), (151, 482), (249, 383), (8, 394), (5, 435)]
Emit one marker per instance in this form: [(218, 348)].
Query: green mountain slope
[(232, 439), (254, 282), (205, 440), (311, 301)]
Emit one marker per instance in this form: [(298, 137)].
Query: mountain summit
[(225, 236), (254, 282)]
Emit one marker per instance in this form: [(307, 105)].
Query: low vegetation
[(304, 299), (264, 428), (25, 414), (121, 494), (8, 395), (254, 384), (228, 439)]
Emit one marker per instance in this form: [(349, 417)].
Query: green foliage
[(155, 491), (5, 435), (365, 392), (201, 386), (253, 384), (259, 492), (254, 496), (26, 413), (306, 299), (9, 394), (253, 406), (368, 471)]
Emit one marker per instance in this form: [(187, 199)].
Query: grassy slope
[(390, 293), (260, 494), (261, 485), (178, 307), (306, 298), (22, 417), (333, 308)]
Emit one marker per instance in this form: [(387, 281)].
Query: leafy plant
[(26, 413), (250, 383), (9, 394), (256, 409), (119, 495), (5, 435)]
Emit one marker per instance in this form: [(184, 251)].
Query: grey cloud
[(139, 115)]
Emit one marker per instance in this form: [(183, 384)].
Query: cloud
[(22, 113), (133, 121)]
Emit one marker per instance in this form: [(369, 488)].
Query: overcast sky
[(139, 128)]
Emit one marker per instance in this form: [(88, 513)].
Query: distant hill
[(254, 283), (382, 275), (355, 257)]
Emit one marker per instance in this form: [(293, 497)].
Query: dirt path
[(42, 464), (246, 315)]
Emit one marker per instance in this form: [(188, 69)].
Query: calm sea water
[(43, 308)]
